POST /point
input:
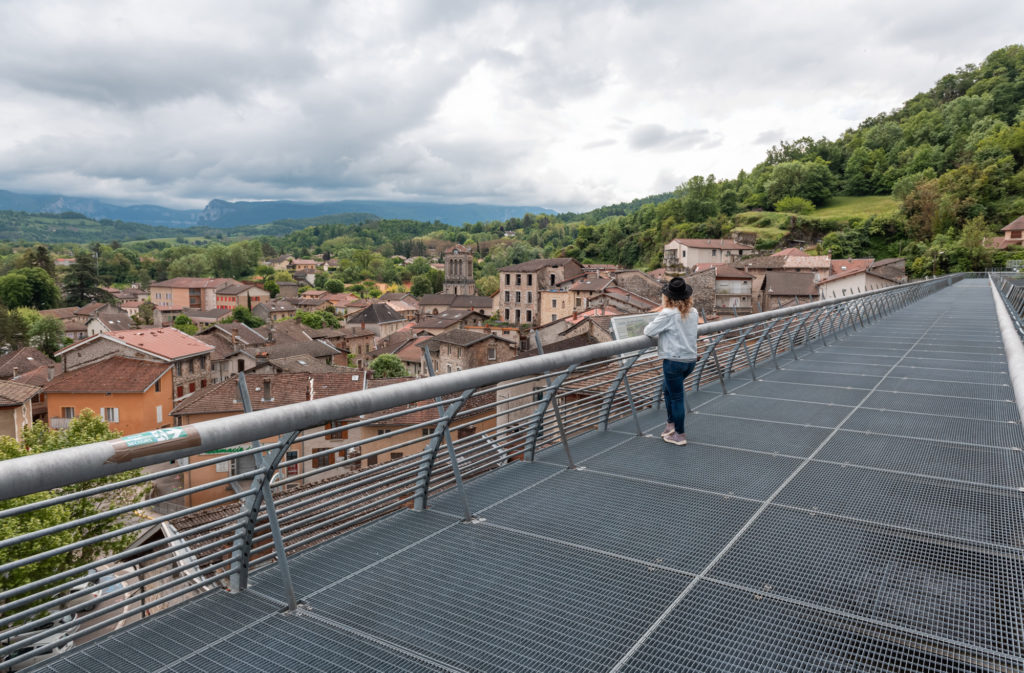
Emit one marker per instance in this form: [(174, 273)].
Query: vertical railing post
[(792, 336), (430, 453), (606, 408), (557, 407), (703, 361), (757, 347), (741, 341), (238, 572), (542, 407)]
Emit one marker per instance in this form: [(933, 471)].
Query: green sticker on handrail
[(151, 436)]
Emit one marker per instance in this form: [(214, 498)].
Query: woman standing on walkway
[(675, 326)]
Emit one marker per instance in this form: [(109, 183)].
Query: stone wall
[(703, 291)]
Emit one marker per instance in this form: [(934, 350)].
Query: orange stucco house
[(131, 395)]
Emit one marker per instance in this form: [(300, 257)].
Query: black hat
[(677, 290)]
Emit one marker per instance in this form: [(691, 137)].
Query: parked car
[(42, 649)]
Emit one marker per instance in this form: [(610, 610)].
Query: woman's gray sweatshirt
[(677, 336)]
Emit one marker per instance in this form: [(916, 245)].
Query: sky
[(565, 104)]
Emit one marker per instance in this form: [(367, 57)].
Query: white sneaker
[(675, 438)]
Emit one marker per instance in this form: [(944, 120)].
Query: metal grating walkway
[(860, 509)]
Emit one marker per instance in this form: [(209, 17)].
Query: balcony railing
[(438, 432)]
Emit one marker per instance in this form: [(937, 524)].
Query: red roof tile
[(113, 375)]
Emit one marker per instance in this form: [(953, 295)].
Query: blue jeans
[(672, 390)]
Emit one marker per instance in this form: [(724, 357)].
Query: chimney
[(14, 373), (49, 372), (234, 336), (272, 333)]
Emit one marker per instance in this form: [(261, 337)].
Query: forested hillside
[(951, 160)]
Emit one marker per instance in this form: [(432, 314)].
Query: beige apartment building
[(519, 293), (687, 253)]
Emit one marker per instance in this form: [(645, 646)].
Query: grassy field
[(845, 207)]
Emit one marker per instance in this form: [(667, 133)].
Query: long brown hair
[(684, 305)]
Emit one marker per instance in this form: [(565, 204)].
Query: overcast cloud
[(568, 105)]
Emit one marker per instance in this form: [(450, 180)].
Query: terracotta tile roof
[(789, 252), (792, 262), (1016, 225), (790, 284), (114, 323), (24, 360), (562, 345), (844, 266), (631, 297), (399, 296), (15, 393), (591, 284), (232, 288), (60, 313), (538, 264), (245, 334), (309, 365), (285, 389), (725, 271), (712, 243), (463, 301), (91, 308), (34, 377), (400, 306), (375, 314), (309, 347), (113, 375), (464, 337), (445, 319), (192, 283), (164, 342)]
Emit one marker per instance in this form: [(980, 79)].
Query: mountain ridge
[(223, 214)]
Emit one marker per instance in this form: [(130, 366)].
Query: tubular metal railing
[(266, 484), (1010, 286)]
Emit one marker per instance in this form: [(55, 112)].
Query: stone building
[(458, 271), (519, 295)]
